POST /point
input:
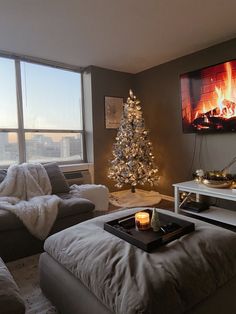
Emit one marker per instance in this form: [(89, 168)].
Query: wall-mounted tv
[(209, 99)]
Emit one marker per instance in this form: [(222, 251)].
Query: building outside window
[(40, 113)]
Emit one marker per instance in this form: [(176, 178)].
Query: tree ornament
[(131, 94), (133, 158), (155, 221)]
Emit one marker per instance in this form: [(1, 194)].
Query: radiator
[(78, 177)]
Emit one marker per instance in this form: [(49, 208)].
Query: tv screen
[(208, 99)]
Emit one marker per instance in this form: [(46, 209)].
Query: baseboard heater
[(78, 177)]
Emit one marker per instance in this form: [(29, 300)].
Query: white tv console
[(213, 213)]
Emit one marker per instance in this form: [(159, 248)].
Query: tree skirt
[(126, 198)]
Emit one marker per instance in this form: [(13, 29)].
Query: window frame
[(21, 131)]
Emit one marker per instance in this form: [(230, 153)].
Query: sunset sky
[(51, 97)]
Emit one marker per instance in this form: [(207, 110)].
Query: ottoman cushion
[(172, 279), (10, 300)]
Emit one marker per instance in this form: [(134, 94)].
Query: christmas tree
[(133, 161)]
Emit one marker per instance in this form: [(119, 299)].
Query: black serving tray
[(148, 240)]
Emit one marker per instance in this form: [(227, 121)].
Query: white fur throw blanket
[(25, 191)]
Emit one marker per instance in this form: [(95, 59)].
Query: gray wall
[(105, 83), (158, 89)]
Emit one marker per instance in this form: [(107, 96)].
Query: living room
[(127, 45)]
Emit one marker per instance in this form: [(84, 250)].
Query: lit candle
[(142, 220)]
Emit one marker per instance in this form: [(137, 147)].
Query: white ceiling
[(125, 35)]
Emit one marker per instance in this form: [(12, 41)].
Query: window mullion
[(21, 135), (84, 157)]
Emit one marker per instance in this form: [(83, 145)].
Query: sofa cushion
[(69, 206), (9, 221), (57, 178), (10, 300), (72, 206)]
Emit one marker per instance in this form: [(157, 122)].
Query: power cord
[(193, 157), (185, 199)]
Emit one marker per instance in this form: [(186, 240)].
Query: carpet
[(25, 273)]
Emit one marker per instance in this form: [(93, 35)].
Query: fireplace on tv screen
[(209, 99)]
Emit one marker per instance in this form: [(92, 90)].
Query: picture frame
[(113, 111)]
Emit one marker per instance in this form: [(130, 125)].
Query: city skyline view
[(42, 147)]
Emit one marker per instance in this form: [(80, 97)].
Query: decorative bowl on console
[(217, 179)]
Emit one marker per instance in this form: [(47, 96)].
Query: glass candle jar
[(142, 221)]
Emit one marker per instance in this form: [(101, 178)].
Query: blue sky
[(51, 97)]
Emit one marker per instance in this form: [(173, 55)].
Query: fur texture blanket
[(25, 192)]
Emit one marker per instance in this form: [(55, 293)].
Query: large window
[(40, 113)]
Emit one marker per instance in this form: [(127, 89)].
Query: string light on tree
[(133, 162)]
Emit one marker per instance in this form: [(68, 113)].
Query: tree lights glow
[(133, 161)]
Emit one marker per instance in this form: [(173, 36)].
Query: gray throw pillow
[(3, 174), (57, 178)]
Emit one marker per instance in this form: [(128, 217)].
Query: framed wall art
[(113, 111)]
